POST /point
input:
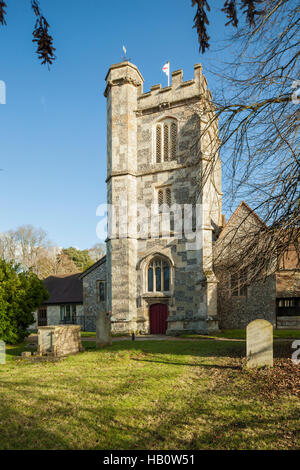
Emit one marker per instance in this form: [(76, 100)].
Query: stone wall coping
[(144, 95), (177, 72), (187, 83), (155, 87), (167, 88)]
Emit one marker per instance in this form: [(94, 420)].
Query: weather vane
[(125, 58)]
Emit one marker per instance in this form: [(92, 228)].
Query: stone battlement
[(178, 92)]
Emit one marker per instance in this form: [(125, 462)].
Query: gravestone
[(103, 330), (259, 344), (2, 352)]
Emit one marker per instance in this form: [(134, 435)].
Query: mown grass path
[(149, 395)]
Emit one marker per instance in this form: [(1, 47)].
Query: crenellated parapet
[(177, 94)]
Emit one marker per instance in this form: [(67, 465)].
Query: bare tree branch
[(41, 36), (258, 140)]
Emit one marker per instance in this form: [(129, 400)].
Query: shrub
[(21, 293)]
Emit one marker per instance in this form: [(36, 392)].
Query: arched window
[(166, 140), (164, 196), (158, 274)]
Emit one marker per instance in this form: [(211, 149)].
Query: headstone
[(103, 330), (259, 344), (2, 352)]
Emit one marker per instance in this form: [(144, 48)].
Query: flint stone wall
[(260, 301), (91, 303)]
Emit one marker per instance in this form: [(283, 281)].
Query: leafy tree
[(21, 293), (81, 258)]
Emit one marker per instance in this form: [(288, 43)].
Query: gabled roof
[(64, 289), (94, 266), (243, 205)]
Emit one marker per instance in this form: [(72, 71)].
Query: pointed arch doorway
[(158, 319)]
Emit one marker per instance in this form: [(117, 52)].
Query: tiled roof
[(64, 289)]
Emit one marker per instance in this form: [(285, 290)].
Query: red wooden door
[(158, 319)]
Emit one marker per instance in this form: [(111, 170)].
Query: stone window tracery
[(164, 196), (158, 275), (166, 140)]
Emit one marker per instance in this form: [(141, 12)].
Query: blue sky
[(53, 126)]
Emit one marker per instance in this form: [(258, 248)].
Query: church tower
[(161, 280)]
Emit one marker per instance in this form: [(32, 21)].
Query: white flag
[(166, 69), (124, 50)]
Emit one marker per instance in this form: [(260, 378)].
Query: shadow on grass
[(198, 423), (181, 348), (28, 432), (189, 364), (195, 348), (177, 348), (16, 350), (147, 408)]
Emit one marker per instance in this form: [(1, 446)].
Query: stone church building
[(160, 283), (157, 276)]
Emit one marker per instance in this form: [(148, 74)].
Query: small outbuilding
[(65, 303)]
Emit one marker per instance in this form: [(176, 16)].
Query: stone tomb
[(60, 340), (259, 344)]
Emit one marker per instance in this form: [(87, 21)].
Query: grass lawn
[(241, 334), (227, 334), (150, 395), (88, 334), (92, 334)]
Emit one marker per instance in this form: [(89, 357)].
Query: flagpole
[(166, 70)]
